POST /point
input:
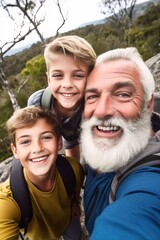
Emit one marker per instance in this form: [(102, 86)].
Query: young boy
[(69, 61), (35, 140)]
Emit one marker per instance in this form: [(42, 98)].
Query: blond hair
[(28, 116), (74, 46)]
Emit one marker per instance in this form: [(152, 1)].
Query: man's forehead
[(114, 65), (114, 70)]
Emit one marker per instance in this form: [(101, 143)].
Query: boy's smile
[(39, 159), (37, 147), (67, 80)]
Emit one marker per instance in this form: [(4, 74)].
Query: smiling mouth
[(111, 128), (39, 159), (68, 95)]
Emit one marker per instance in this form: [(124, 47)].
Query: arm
[(79, 174), (131, 217), (135, 212), (73, 152), (9, 214)]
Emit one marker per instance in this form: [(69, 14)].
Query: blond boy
[(69, 60)]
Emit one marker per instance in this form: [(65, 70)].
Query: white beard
[(107, 155)]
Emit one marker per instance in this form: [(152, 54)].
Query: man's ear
[(60, 144), (150, 104), (14, 151)]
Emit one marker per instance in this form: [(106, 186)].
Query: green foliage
[(36, 71), (6, 112), (136, 37), (5, 150), (151, 15), (14, 64)]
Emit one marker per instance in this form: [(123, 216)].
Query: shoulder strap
[(47, 99), (21, 194), (152, 160), (66, 171)]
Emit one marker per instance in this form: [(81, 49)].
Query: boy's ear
[(60, 144), (48, 79), (14, 150)]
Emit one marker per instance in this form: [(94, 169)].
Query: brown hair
[(74, 46), (28, 116)]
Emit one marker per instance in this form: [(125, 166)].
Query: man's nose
[(105, 107)]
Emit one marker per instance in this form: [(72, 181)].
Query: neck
[(43, 183), (63, 112), (46, 186)]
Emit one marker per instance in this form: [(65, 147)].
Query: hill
[(138, 10)]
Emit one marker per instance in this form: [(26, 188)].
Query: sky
[(78, 12)]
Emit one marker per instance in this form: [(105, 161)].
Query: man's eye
[(91, 98), (123, 94)]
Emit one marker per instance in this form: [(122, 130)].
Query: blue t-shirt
[(135, 214)]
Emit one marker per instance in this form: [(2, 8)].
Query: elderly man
[(117, 134)]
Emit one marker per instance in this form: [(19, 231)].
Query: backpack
[(152, 160), (21, 193), (46, 99), (156, 104)]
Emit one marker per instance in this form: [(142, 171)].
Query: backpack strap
[(68, 176), (47, 98), (152, 160), (21, 194)]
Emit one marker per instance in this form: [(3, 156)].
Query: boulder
[(5, 167), (154, 66)]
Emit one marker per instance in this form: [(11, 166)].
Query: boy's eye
[(25, 142), (47, 137), (91, 98), (57, 75), (78, 76)]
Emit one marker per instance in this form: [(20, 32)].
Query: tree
[(35, 71), (29, 11), (22, 13), (63, 18), (120, 12)]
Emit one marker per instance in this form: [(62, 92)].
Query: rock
[(154, 66), (5, 167)]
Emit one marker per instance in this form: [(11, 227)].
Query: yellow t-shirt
[(51, 210)]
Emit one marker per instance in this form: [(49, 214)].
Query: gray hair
[(132, 55)]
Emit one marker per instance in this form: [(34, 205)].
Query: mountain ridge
[(138, 10)]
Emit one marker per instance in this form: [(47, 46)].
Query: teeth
[(68, 94), (39, 159), (108, 128)]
